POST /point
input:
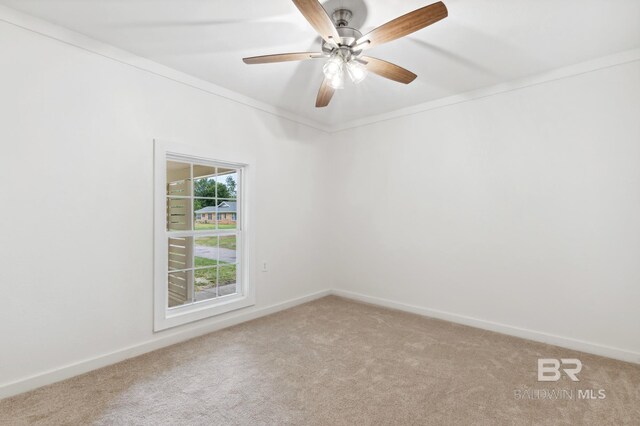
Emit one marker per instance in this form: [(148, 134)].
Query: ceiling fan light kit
[(342, 60), (342, 46)]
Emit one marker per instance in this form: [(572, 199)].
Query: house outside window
[(200, 259)]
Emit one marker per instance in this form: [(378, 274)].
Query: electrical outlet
[(264, 267)]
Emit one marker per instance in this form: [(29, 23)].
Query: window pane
[(205, 214), (178, 179), (179, 288), (227, 183), (227, 214), (178, 214), (227, 279), (204, 181), (205, 283), (180, 253), (200, 171), (206, 251), (227, 249)]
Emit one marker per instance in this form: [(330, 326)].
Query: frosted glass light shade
[(333, 67), (337, 82), (357, 72)]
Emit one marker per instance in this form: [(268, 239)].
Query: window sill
[(201, 310)]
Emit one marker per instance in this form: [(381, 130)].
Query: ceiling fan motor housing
[(348, 37)]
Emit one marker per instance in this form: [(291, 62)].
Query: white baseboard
[(71, 370), (538, 336)]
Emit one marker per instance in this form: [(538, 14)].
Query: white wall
[(76, 185), (521, 209)]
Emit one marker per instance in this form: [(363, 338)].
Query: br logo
[(549, 369)]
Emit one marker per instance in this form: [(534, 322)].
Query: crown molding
[(556, 74), (64, 35)]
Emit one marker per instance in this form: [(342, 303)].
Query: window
[(200, 261)]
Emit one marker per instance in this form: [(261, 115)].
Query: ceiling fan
[(343, 46)]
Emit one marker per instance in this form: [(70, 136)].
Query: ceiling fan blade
[(388, 70), (324, 94), (313, 11), (282, 57), (404, 25)]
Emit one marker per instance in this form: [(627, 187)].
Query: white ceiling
[(480, 44)]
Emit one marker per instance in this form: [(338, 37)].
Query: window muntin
[(203, 231)]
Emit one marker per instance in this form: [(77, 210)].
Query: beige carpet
[(335, 362)]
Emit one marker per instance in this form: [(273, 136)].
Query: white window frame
[(165, 317)]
